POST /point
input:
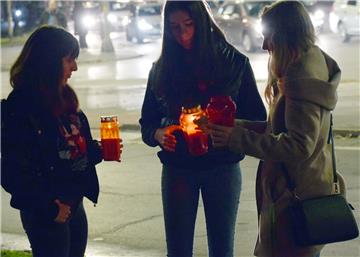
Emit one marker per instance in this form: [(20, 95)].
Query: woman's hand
[(64, 212), (165, 137), (220, 135)]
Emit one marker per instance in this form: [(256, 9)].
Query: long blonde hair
[(291, 34)]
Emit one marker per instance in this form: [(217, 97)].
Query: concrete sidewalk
[(346, 114), (10, 53)]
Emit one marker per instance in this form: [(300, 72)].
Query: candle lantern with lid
[(197, 140), (110, 138), (221, 110)]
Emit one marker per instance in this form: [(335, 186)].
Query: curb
[(7, 67), (349, 133)]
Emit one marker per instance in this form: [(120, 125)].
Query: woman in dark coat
[(48, 154), (195, 64)]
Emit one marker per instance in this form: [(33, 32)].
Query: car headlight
[(319, 14), (18, 13), (112, 18), (89, 21), (21, 24), (125, 21), (144, 25)]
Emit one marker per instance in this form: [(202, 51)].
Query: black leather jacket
[(235, 78), (31, 170)]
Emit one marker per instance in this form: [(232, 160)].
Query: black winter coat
[(31, 170), (234, 77)]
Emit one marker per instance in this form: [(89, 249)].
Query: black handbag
[(321, 220)]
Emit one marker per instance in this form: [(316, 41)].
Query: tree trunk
[(106, 44), (10, 19)]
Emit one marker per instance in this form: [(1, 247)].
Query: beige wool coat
[(298, 130)]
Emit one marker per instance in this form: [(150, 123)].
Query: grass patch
[(14, 41), (9, 253)]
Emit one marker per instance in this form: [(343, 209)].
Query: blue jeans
[(220, 190), (54, 239)]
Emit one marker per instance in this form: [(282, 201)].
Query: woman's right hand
[(64, 212), (165, 137)]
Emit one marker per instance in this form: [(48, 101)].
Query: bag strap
[(330, 140)]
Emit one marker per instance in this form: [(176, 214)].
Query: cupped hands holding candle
[(165, 137)]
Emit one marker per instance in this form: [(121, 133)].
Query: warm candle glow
[(110, 138), (196, 140)]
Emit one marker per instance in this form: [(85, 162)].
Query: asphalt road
[(106, 85)]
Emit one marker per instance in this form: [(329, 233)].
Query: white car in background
[(144, 22), (344, 18)]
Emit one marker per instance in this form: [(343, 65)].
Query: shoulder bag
[(325, 219)]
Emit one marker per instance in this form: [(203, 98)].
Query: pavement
[(128, 221)]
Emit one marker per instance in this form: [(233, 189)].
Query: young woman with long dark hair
[(48, 154), (196, 63)]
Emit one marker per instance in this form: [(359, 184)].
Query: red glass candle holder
[(110, 138), (221, 110)]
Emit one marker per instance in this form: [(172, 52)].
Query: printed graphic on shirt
[(72, 145)]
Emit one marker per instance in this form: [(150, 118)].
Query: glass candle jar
[(221, 110), (197, 141), (110, 138)]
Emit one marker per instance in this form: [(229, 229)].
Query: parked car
[(344, 18), (144, 22), (90, 16), (118, 16), (317, 14), (213, 6), (241, 23)]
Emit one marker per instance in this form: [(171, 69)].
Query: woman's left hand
[(220, 135)]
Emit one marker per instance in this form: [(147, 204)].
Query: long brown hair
[(39, 66), (171, 65), (291, 35)]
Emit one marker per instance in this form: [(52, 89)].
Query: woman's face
[(182, 28), (69, 65)]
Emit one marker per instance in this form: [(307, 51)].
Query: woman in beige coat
[(301, 92)]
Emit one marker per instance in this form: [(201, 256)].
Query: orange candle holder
[(110, 138), (197, 141)]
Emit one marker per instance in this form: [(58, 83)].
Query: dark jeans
[(220, 190), (57, 239)]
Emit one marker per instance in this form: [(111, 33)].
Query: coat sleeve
[(302, 120), (94, 151), (151, 116), (249, 105)]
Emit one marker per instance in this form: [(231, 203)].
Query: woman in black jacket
[(48, 154), (196, 63)]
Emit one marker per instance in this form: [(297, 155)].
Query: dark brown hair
[(171, 65), (39, 66)]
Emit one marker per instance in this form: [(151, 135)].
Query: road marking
[(348, 148)]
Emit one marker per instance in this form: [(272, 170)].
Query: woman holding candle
[(48, 154), (301, 92), (196, 63)]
